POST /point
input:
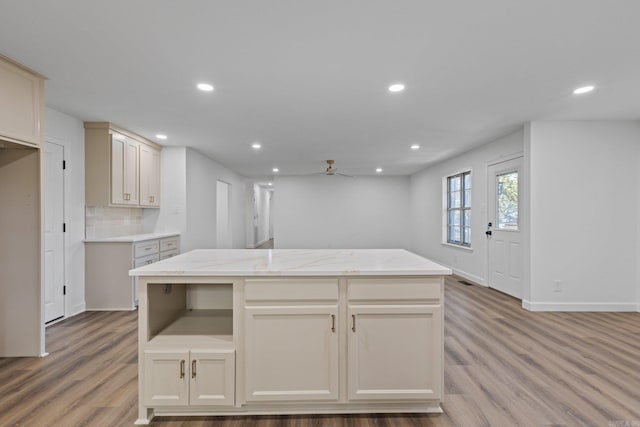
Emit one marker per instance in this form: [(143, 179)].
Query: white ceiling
[(308, 79)]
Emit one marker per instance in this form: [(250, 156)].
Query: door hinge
[(64, 164), (64, 290), (64, 227)]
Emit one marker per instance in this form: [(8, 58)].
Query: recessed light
[(275, 170), (378, 170), (256, 146), (270, 184), (206, 87), (161, 136), (396, 87), (583, 89), (415, 146)]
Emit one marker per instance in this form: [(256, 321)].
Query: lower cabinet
[(291, 353), (189, 378), (395, 352)]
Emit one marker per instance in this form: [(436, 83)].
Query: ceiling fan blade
[(346, 176)]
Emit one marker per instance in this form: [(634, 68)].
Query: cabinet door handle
[(181, 369), (193, 368), (333, 323), (353, 322)]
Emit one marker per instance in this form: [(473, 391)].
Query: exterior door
[(395, 352), (53, 233), (291, 353), (504, 226)]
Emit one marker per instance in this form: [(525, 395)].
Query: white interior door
[(223, 226), (504, 226), (53, 233)]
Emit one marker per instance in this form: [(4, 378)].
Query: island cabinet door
[(166, 378), (394, 352), (212, 378), (291, 353)]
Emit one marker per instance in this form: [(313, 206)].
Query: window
[(459, 209)]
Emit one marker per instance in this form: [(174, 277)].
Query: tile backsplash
[(112, 222)]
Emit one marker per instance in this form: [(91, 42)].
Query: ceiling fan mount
[(330, 170)]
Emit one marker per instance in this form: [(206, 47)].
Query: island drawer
[(401, 289), (145, 248), (291, 290)]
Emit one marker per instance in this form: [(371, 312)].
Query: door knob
[(488, 233)]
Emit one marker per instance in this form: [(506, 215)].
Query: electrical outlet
[(557, 286)]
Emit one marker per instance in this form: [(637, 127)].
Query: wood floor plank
[(504, 366)]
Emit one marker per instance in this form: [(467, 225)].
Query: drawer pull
[(149, 261), (353, 322), (148, 248), (181, 369), (333, 323), (193, 368)]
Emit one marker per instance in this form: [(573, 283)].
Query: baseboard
[(77, 309), (471, 277), (580, 306)]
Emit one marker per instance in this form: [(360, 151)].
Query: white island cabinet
[(233, 332)]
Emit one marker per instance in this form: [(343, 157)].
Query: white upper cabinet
[(149, 176), (22, 106), (122, 169)]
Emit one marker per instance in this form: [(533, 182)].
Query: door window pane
[(507, 200)]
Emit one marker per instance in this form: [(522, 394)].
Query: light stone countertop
[(294, 262), (134, 238)]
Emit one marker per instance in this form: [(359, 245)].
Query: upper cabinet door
[(149, 176), (124, 170), (22, 106), (131, 172), (118, 150)]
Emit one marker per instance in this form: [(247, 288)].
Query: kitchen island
[(244, 332)]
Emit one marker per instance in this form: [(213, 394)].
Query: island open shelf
[(248, 332), (188, 315)]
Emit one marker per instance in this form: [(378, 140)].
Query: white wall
[(426, 209), (584, 215), (188, 199), (337, 212), (68, 131)]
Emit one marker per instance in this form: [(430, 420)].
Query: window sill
[(464, 248)]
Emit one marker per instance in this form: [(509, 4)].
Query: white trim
[(77, 309), (505, 158), (112, 309), (475, 279), (453, 245), (580, 306)]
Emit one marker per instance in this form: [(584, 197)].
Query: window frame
[(462, 209)]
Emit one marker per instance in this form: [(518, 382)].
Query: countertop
[(134, 238), (294, 262)]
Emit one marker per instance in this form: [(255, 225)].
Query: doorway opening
[(263, 203), (223, 223)]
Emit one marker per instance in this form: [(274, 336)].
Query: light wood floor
[(504, 367)]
